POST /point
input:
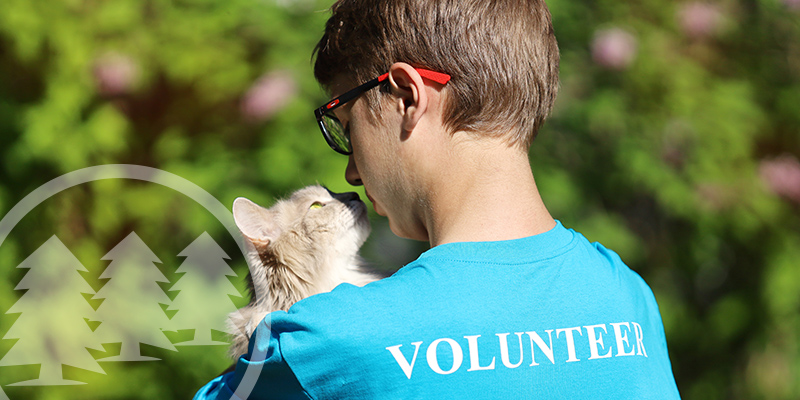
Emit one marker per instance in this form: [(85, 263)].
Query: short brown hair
[(502, 56)]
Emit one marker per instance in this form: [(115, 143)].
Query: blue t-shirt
[(550, 316)]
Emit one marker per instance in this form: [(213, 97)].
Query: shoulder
[(329, 340), (347, 306)]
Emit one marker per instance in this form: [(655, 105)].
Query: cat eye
[(337, 136), (316, 204)]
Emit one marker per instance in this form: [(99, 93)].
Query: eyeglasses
[(337, 136)]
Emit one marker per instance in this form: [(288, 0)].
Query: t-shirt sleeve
[(261, 374)]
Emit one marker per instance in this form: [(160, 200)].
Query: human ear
[(410, 97)]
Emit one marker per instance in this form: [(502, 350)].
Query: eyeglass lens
[(337, 133)]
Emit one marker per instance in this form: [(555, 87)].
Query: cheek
[(370, 135), (375, 154), (370, 161)]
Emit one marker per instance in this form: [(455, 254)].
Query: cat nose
[(347, 197)]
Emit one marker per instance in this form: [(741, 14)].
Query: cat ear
[(255, 222)]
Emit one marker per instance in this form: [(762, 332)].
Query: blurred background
[(675, 141)]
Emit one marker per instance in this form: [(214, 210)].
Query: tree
[(203, 303), (52, 328), (131, 313)]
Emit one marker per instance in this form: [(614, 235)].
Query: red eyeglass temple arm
[(437, 77)]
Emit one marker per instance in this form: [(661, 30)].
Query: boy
[(507, 303)]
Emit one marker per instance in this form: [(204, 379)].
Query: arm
[(261, 374)]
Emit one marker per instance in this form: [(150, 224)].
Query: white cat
[(304, 245)]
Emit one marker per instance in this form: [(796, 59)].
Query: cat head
[(309, 235)]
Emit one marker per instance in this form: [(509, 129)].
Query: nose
[(351, 173), (346, 197)]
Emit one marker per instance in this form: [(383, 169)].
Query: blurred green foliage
[(674, 142)]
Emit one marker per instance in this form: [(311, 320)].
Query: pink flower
[(700, 20), (115, 74), (268, 95), (782, 176), (793, 5), (614, 48)]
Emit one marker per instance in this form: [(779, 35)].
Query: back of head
[(501, 54)]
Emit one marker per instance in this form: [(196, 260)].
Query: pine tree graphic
[(131, 313), (52, 328), (3, 395), (203, 303)]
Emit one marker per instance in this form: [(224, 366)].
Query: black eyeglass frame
[(350, 95)]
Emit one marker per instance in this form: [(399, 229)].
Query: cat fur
[(301, 246)]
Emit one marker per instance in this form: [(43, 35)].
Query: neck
[(490, 195)]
